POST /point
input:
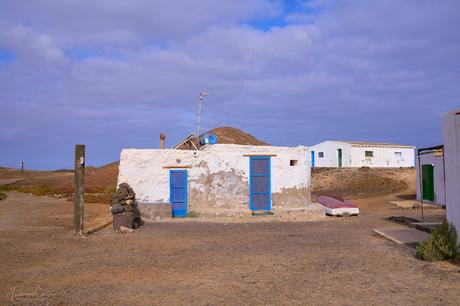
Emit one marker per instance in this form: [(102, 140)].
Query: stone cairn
[(124, 209)]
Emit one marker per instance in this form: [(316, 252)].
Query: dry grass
[(38, 190), (93, 194), (103, 195)]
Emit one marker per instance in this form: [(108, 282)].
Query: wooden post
[(162, 140), (79, 195)]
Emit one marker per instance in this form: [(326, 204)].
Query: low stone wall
[(155, 212)]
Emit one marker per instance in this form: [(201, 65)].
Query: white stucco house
[(430, 175), (219, 177), (451, 131), (361, 154)]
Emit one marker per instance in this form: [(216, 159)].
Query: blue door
[(178, 192), (313, 159), (260, 183)]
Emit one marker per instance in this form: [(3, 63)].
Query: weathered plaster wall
[(437, 162), (218, 175), (451, 125)]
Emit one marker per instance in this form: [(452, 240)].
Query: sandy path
[(168, 263)]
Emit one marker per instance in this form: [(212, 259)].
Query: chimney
[(162, 140)]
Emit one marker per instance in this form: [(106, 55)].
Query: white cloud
[(355, 70), (118, 22)]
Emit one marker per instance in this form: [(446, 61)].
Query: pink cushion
[(335, 202)]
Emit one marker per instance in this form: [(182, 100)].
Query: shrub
[(441, 244), (2, 195)]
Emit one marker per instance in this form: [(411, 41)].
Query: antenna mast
[(201, 96)]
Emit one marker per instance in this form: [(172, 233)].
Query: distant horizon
[(287, 72), (168, 146)]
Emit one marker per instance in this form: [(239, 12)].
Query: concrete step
[(313, 210), (425, 226), (402, 235)]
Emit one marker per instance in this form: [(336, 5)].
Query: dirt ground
[(335, 261), (62, 181), (363, 182)]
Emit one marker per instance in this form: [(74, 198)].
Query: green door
[(428, 182), (339, 156)]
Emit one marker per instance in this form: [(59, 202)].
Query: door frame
[(340, 158), (185, 191), (269, 170), (430, 177)]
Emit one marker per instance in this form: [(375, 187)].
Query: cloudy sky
[(114, 73)]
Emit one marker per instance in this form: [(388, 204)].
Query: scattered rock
[(126, 230)]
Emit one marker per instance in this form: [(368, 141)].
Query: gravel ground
[(338, 261)]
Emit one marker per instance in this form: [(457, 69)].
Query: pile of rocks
[(124, 208)]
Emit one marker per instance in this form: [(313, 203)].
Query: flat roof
[(428, 150), (376, 144)]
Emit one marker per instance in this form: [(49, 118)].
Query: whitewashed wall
[(451, 126), (330, 159), (437, 162), (384, 157), (354, 156), (146, 170)]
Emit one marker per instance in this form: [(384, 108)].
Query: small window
[(369, 153), (398, 154), (320, 154), (293, 162)]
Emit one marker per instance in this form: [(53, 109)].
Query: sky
[(113, 74)]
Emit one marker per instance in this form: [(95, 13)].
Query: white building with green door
[(330, 154), (430, 175)]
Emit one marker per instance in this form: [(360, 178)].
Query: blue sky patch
[(6, 56), (289, 7)]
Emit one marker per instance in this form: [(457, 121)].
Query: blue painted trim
[(185, 192), (269, 175), (313, 159), (269, 183), (250, 183)]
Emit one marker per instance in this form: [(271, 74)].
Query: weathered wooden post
[(79, 195)]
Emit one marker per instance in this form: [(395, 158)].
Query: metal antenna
[(201, 96)]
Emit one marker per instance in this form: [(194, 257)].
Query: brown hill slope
[(229, 135), (363, 182)]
